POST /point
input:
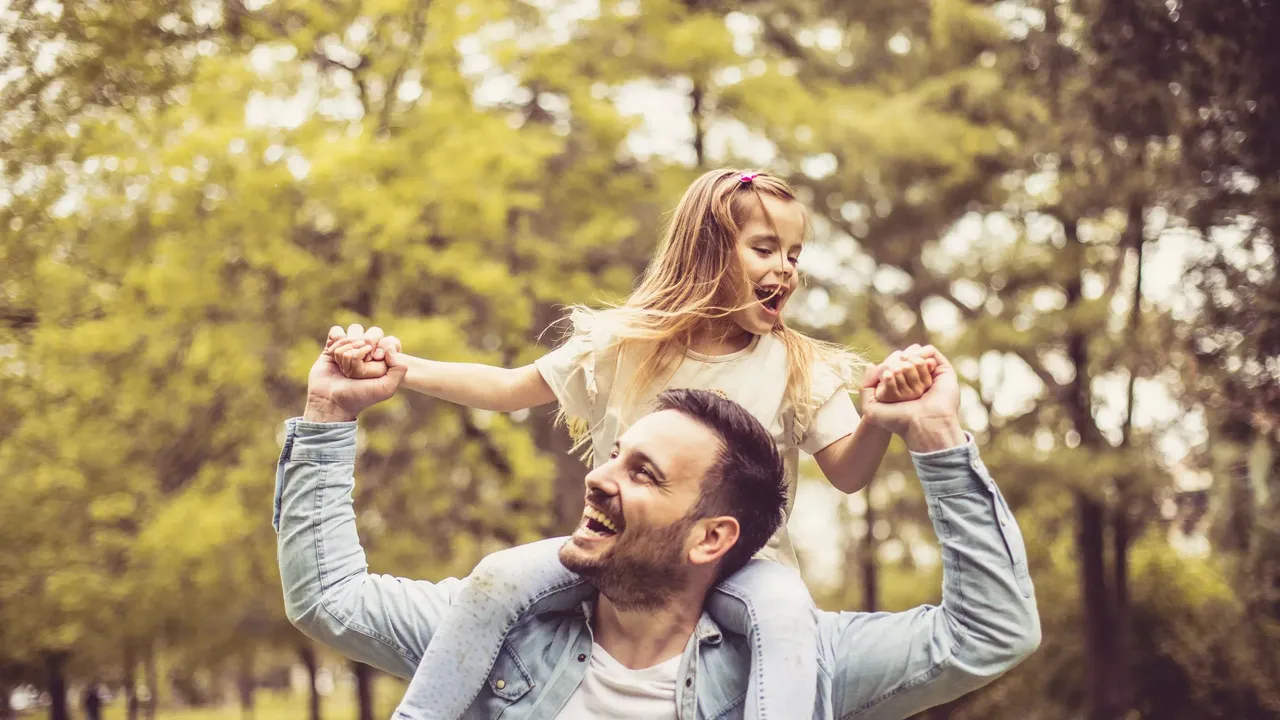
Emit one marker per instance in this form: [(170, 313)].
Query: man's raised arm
[(893, 665), (329, 593)]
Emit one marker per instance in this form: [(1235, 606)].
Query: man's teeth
[(593, 514)]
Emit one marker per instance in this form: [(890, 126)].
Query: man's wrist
[(876, 428), (933, 434), (321, 410)]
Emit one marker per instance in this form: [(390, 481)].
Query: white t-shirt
[(582, 373), (613, 690)]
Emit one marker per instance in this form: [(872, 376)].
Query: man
[(630, 639)]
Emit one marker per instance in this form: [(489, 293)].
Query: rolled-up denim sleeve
[(892, 665), (329, 594)]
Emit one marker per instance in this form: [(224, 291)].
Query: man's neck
[(643, 638)]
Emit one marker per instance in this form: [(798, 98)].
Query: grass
[(282, 706)]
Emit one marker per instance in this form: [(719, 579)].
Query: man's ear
[(711, 538)]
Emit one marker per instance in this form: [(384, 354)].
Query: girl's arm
[(851, 462), (473, 385), (484, 387)]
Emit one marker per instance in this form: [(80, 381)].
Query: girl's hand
[(361, 354), (905, 375), (927, 424)]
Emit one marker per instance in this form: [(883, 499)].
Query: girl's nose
[(787, 269)]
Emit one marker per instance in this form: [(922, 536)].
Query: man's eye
[(645, 473), (613, 454)]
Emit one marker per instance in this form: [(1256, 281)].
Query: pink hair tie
[(747, 177)]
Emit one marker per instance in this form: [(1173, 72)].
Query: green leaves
[(194, 194)]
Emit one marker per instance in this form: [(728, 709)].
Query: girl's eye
[(794, 260), (764, 252)]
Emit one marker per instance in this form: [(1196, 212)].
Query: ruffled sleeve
[(831, 414), (570, 369)]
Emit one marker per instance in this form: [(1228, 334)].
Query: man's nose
[(600, 481)]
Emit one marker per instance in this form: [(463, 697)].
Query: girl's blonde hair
[(696, 277)]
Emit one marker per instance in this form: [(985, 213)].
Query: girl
[(707, 314)]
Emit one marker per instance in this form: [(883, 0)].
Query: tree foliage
[(196, 190)]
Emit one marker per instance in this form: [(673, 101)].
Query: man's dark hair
[(747, 481)]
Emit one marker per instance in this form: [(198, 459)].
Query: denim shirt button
[(500, 684), (582, 658), (688, 682)]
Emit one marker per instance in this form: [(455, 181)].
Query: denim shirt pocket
[(510, 679), (1009, 531)]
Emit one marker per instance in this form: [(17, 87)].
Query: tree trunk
[(131, 704), (1091, 513), (130, 686), (153, 685), (246, 684), (364, 689), (570, 471), (56, 684), (1262, 594), (91, 702), (867, 559), (1090, 547), (698, 100), (6, 710), (308, 656), (1120, 529), (554, 440), (1120, 535)]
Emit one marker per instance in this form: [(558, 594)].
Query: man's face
[(633, 541)]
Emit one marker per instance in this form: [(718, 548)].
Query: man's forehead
[(674, 441)]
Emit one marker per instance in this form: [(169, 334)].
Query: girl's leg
[(463, 648), (769, 604)]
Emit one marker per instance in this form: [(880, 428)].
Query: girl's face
[(769, 252)]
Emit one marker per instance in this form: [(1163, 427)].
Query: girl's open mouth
[(771, 297)]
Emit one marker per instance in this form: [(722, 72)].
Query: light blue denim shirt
[(871, 665)]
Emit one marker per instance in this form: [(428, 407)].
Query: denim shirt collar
[(707, 632)]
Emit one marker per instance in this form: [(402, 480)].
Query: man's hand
[(929, 423), (354, 365), (334, 397)]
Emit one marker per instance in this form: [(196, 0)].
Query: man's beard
[(642, 572)]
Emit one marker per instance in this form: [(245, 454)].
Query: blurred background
[(1077, 200)]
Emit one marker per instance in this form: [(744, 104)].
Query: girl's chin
[(756, 320), (765, 320)]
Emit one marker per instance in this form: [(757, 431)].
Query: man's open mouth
[(599, 523), (771, 296)]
